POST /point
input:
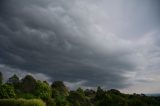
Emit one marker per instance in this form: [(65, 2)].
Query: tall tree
[(80, 91), (14, 80), (43, 90), (100, 93), (28, 84), (59, 87)]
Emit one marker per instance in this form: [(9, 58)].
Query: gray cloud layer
[(94, 42)]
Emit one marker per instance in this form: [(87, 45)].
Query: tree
[(28, 84), (89, 92), (100, 93), (43, 90), (77, 99), (59, 93), (58, 84), (114, 91), (7, 91), (80, 91), (13, 80), (1, 78), (46, 82), (61, 100), (59, 87)]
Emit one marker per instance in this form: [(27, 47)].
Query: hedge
[(21, 102)]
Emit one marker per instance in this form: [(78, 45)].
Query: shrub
[(21, 102), (26, 96), (51, 102), (7, 91)]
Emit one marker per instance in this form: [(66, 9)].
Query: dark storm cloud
[(63, 39)]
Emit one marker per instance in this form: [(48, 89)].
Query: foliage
[(78, 99), (7, 91), (51, 102), (28, 84), (59, 87), (89, 93), (26, 95), (100, 93), (42, 90), (13, 80), (21, 102), (58, 95), (80, 91), (61, 100)]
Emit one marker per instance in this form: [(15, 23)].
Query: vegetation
[(31, 92), (7, 91), (42, 90), (21, 102)]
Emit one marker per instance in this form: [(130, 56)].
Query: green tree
[(80, 91), (28, 84), (61, 100), (60, 88), (100, 93), (59, 93), (13, 80), (136, 102), (114, 91), (7, 91), (77, 99), (43, 90), (90, 93)]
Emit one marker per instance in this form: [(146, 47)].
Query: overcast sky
[(87, 43)]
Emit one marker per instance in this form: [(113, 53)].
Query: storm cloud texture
[(89, 43)]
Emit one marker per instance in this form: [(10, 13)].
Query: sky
[(85, 43)]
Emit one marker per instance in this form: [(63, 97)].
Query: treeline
[(16, 90)]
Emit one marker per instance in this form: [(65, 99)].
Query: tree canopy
[(58, 94)]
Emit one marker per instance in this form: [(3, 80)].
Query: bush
[(51, 102), (7, 91), (21, 102), (26, 96)]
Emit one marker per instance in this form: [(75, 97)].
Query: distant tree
[(59, 93), (61, 100), (137, 102), (77, 99), (57, 84), (80, 91), (114, 91), (46, 82), (100, 93), (59, 87), (43, 90), (1, 78), (28, 84), (90, 93), (13, 80), (7, 91)]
